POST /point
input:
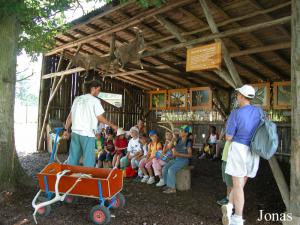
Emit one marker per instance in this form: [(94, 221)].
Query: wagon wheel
[(44, 211), (71, 199), (99, 214), (119, 202)]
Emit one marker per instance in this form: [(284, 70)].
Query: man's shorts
[(241, 162), (227, 179)]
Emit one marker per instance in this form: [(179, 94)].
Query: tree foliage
[(41, 20)]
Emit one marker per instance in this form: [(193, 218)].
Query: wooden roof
[(256, 33)]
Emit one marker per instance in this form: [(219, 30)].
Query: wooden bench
[(183, 178)]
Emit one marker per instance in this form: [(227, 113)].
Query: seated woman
[(209, 147), (181, 153)]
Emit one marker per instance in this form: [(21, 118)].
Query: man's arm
[(66, 134), (102, 119)]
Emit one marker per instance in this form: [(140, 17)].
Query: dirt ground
[(147, 205)]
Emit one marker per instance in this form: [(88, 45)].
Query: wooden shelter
[(256, 38)]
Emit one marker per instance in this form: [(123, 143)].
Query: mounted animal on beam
[(131, 51), (92, 62)]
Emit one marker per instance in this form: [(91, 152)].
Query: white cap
[(120, 131), (134, 129), (247, 90)]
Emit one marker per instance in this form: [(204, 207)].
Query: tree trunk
[(11, 172), (295, 85)]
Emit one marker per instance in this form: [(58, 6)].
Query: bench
[(183, 178)]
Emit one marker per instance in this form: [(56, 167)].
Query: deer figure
[(131, 51), (92, 62)]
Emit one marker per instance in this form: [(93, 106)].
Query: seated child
[(209, 146), (163, 156), (120, 145), (146, 164), (134, 149), (109, 150), (141, 157)]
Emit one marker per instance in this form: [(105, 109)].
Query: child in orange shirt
[(146, 163)]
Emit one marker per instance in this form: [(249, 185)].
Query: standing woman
[(181, 153)]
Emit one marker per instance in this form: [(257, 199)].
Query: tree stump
[(183, 179)]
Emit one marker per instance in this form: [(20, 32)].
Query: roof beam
[(226, 22), (139, 85), (258, 59), (121, 26), (230, 66), (227, 33), (173, 29)]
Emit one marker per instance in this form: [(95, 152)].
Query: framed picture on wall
[(201, 98), (158, 100), (178, 99), (262, 95), (282, 95)]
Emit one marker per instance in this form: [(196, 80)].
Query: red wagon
[(67, 181)]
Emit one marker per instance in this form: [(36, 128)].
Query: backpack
[(265, 139)]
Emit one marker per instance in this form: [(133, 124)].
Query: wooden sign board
[(204, 57), (282, 95), (262, 95), (158, 100)]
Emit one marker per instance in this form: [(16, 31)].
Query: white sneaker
[(151, 180), (226, 214), (160, 183), (236, 220), (145, 179)]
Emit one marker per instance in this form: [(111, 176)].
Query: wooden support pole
[(226, 77), (170, 27), (230, 66), (41, 98), (52, 95), (112, 46), (63, 73), (279, 178), (295, 85)]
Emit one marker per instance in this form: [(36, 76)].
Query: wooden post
[(281, 183), (295, 85), (41, 98), (170, 27), (53, 92), (226, 77), (230, 66)]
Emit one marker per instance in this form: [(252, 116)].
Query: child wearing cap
[(133, 150), (120, 145), (146, 165)]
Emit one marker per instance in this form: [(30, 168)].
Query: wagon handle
[(57, 197)]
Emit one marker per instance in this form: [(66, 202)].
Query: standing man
[(241, 163), (85, 113)]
